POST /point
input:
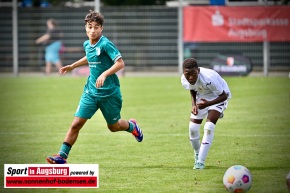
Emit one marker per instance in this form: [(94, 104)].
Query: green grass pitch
[(255, 132)]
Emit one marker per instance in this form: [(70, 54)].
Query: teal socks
[(131, 127), (64, 150)]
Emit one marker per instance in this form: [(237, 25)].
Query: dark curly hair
[(93, 16), (189, 63)]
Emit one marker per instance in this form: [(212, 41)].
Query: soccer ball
[(237, 179)]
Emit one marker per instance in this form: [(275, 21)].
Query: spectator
[(53, 45)]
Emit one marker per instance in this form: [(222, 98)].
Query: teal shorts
[(109, 106)]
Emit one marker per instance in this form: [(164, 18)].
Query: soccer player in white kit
[(209, 94)]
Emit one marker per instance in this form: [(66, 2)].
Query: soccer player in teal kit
[(102, 90)]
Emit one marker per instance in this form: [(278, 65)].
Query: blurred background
[(147, 33)]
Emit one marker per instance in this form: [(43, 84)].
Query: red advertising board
[(238, 24)]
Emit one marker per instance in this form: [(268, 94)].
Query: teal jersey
[(102, 56)]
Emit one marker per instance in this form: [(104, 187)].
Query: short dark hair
[(189, 63), (52, 21), (93, 16)]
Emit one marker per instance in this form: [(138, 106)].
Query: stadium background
[(147, 37)]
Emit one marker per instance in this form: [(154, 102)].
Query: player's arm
[(81, 62), (42, 39), (193, 100), (204, 103), (115, 68)]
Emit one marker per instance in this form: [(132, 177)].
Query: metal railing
[(147, 37)]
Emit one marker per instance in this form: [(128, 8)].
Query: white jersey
[(209, 84)]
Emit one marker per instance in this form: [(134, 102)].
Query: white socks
[(194, 136), (206, 141)]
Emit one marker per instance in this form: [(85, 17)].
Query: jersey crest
[(98, 51), (200, 88)]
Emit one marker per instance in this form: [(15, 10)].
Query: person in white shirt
[(210, 94)]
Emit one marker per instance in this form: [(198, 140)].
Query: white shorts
[(288, 176), (202, 113)]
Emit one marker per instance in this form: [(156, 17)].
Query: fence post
[(97, 5), (180, 36), (266, 56), (15, 38)]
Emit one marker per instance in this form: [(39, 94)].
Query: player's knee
[(208, 133), (193, 131), (113, 128), (76, 126), (208, 128), (193, 126)]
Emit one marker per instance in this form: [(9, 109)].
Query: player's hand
[(100, 81), (66, 69), (202, 104), (194, 110)]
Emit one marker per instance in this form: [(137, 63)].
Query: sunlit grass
[(37, 111)]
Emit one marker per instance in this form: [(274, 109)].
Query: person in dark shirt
[(52, 40)]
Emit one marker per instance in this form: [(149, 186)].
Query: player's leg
[(206, 143), (69, 140), (111, 108), (130, 126), (214, 113), (194, 136), (208, 136), (73, 132), (120, 125), (85, 111)]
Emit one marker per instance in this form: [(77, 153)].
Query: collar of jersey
[(93, 45)]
